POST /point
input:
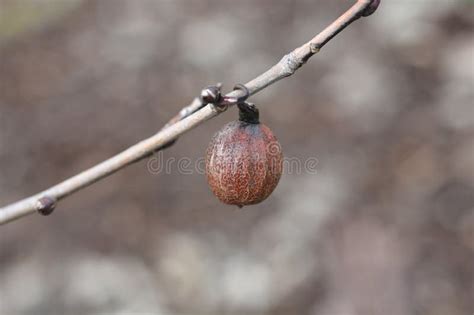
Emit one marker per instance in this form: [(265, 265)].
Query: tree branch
[(189, 117)]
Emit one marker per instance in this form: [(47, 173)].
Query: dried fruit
[(244, 160)]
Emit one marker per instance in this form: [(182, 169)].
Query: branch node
[(219, 108), (290, 63), (45, 205), (314, 48), (213, 95)]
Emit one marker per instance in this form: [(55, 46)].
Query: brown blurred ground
[(385, 226)]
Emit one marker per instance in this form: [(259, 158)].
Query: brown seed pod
[(244, 160)]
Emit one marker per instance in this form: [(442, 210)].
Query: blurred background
[(384, 226)]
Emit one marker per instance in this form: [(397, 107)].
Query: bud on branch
[(371, 8)]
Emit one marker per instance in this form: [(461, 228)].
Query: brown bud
[(244, 163), (371, 8), (45, 205)]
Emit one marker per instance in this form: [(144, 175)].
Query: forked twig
[(188, 118)]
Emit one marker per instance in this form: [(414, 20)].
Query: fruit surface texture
[(244, 163)]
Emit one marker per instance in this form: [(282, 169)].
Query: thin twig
[(188, 118)]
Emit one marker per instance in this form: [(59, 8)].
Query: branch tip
[(371, 8)]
